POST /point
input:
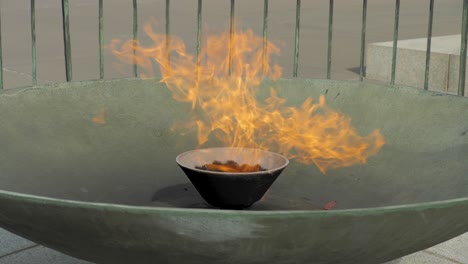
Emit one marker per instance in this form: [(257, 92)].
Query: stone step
[(411, 61)]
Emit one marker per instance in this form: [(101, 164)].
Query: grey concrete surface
[(10, 243), (411, 59), (312, 62), (424, 257), (39, 255), (455, 249)]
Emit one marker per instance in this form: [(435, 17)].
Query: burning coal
[(223, 81), (231, 166)]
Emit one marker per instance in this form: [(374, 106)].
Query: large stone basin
[(112, 192)]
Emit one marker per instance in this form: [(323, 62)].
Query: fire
[(223, 82)]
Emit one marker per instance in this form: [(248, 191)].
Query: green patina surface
[(112, 193)]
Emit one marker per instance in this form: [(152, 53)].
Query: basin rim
[(253, 213)]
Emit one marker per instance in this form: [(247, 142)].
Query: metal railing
[(67, 40)]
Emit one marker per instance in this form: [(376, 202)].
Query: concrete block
[(452, 85), (411, 60)]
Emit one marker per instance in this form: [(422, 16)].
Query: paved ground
[(314, 17), (15, 250)]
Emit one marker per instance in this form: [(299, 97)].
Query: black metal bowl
[(232, 190)]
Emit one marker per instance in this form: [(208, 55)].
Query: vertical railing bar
[(101, 40), (428, 49), (168, 35), (33, 42), (296, 43), (1, 54), (231, 37), (395, 41), (265, 36), (462, 66), (199, 34), (363, 40), (135, 37), (66, 39), (330, 36)]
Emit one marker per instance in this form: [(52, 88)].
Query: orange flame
[(230, 112)]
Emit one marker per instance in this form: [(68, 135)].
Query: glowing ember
[(100, 118), (329, 205), (231, 166), (230, 111)]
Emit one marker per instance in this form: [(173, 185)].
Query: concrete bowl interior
[(110, 191)]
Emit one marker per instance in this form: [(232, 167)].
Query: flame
[(223, 82)]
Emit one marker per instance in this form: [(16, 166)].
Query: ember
[(329, 205), (231, 166), (100, 118)]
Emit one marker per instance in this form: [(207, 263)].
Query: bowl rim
[(49, 201), (219, 173)]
